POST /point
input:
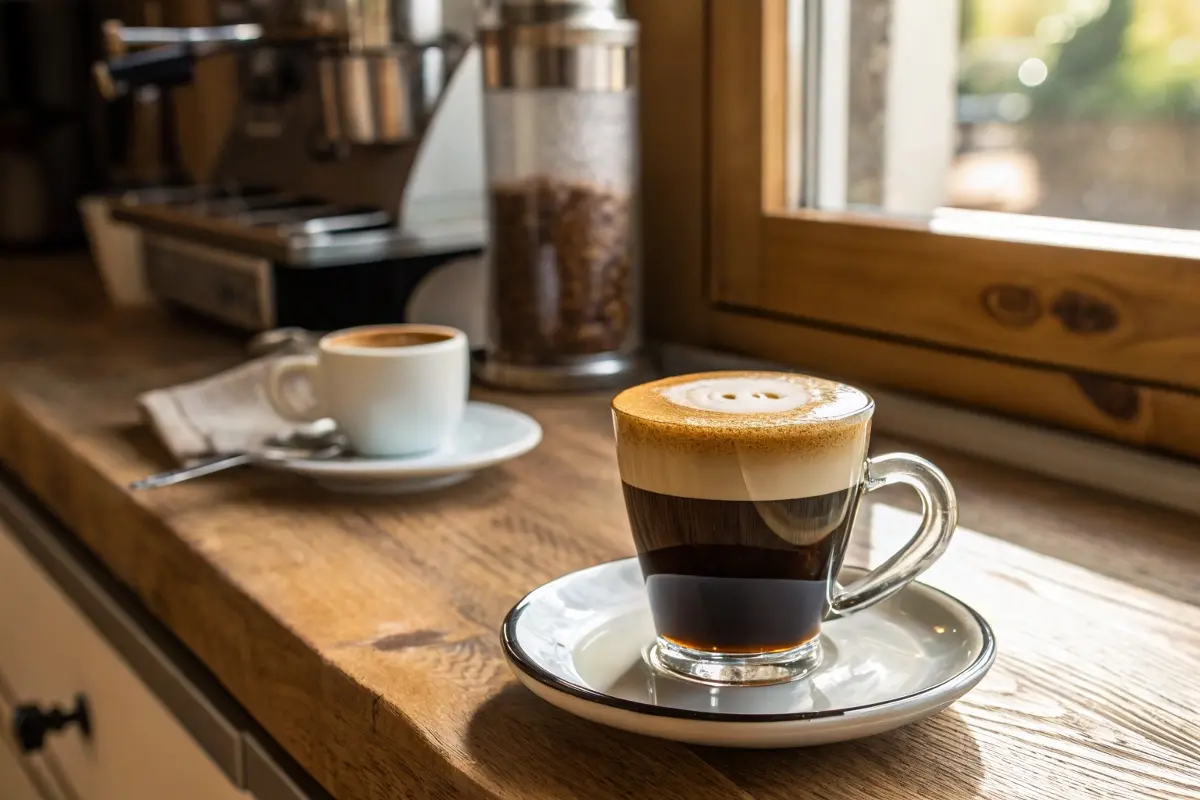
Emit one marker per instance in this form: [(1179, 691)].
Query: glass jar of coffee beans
[(561, 130)]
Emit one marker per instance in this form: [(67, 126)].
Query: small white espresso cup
[(394, 390)]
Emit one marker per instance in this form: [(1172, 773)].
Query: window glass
[(1084, 109)]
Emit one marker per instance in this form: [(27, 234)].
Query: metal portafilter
[(170, 59)]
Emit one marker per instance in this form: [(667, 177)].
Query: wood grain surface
[(1136, 317), (672, 98), (361, 632)]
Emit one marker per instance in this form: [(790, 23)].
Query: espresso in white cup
[(394, 390)]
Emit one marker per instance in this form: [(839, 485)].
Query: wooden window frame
[(1098, 341)]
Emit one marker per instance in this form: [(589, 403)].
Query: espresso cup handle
[(940, 515), (282, 370)]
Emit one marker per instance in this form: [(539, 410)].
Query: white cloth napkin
[(226, 412)]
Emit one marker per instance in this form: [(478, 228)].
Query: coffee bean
[(561, 269)]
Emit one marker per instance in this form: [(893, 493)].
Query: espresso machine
[(353, 171)]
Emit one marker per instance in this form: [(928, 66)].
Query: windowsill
[(1078, 233)]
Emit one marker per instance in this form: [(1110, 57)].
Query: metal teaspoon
[(296, 446)]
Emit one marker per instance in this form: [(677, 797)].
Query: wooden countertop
[(361, 632)]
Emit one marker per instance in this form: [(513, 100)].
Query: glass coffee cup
[(742, 489)]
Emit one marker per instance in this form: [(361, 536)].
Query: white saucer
[(489, 434), (577, 642)]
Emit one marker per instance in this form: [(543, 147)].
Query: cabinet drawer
[(49, 652), (24, 776), (15, 782)]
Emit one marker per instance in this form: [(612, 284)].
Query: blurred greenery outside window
[(1117, 60), (1084, 109)]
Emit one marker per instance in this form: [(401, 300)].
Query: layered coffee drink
[(741, 489)]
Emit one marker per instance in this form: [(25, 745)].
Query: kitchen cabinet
[(15, 782), (49, 653), (65, 633)]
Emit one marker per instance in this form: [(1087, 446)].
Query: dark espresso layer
[(738, 576), (389, 338)]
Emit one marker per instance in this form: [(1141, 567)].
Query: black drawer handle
[(31, 723)]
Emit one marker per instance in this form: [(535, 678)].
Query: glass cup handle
[(940, 515)]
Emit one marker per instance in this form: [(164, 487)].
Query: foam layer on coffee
[(742, 435)]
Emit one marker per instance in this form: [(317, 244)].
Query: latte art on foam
[(740, 395), (758, 436)]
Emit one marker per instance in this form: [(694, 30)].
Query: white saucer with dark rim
[(578, 642), (489, 434)]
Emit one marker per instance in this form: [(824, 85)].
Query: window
[(1080, 109), (850, 220)]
